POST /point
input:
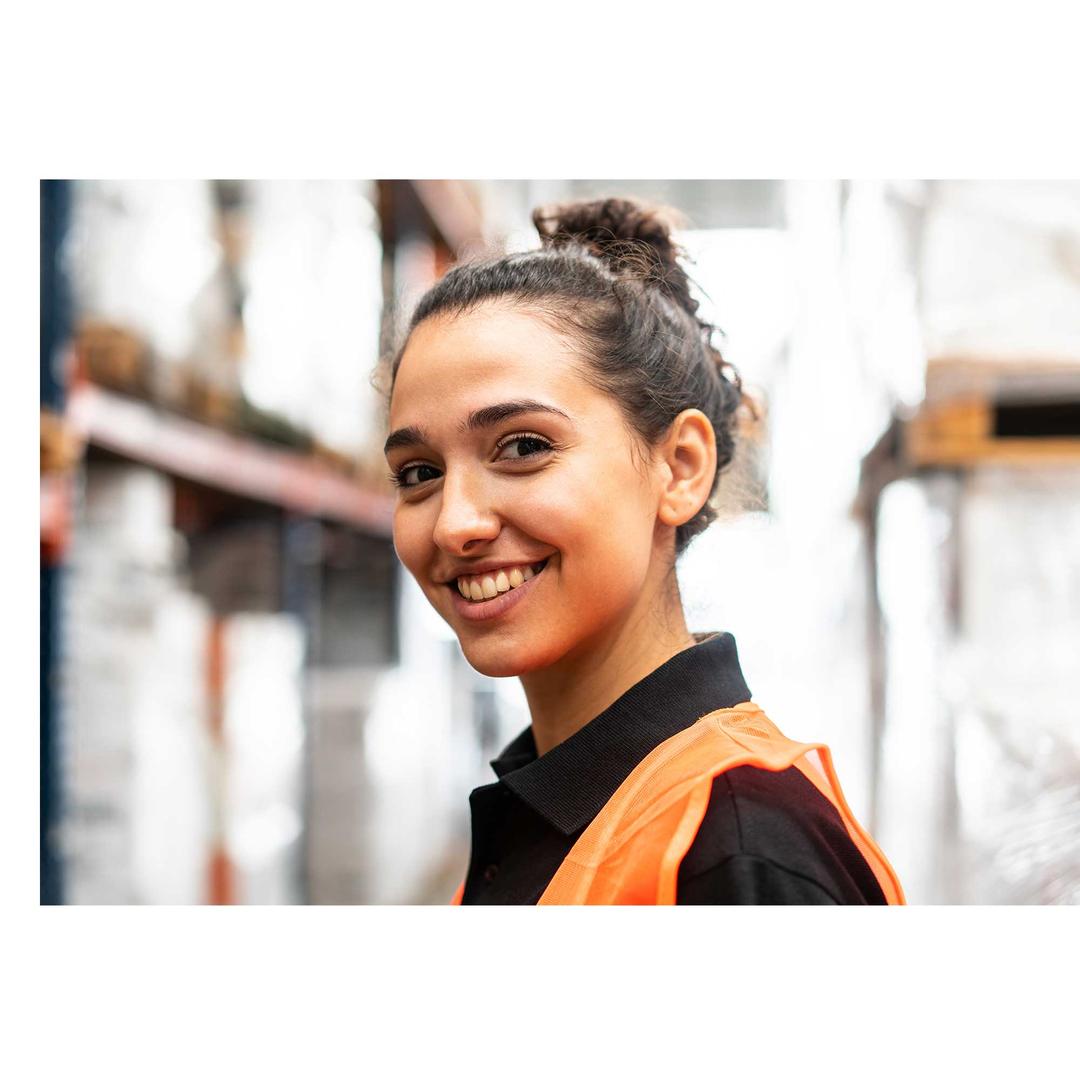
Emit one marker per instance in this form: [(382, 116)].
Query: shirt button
[(491, 872)]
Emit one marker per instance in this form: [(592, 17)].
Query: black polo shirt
[(767, 837)]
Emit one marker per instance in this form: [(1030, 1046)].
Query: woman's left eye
[(529, 446)]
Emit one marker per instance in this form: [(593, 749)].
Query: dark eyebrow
[(488, 416)]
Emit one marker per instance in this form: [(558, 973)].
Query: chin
[(504, 659)]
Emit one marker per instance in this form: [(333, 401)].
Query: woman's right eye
[(403, 478)]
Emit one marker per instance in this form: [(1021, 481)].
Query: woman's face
[(508, 458)]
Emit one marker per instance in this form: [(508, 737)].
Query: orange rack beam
[(224, 461)]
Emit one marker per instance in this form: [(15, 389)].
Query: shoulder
[(772, 837)]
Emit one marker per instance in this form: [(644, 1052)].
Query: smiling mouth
[(480, 588)]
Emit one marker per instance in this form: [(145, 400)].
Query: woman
[(558, 423)]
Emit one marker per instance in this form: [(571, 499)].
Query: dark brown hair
[(608, 275)]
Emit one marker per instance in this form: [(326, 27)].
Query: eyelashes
[(526, 437), (400, 477)]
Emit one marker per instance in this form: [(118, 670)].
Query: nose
[(466, 518)]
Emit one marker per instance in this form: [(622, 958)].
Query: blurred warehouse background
[(245, 700)]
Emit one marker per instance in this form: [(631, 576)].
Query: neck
[(565, 696)]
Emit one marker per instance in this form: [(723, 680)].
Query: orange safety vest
[(632, 850)]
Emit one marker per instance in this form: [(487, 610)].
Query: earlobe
[(676, 512)]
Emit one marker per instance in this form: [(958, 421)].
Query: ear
[(689, 452)]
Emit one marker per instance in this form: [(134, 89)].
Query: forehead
[(490, 354)]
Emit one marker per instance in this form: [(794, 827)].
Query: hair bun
[(633, 237)]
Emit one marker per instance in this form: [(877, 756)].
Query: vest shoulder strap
[(632, 850)]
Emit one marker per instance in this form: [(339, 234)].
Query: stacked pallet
[(1005, 412)]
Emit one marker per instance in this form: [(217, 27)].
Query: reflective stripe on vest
[(632, 850)]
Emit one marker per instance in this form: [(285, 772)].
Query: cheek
[(602, 527), (412, 539)]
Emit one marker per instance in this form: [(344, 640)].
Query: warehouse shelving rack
[(977, 411), (105, 407)]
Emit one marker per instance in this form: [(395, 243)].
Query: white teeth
[(488, 585)]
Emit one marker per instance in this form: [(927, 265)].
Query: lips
[(486, 586), (494, 607), (491, 566)]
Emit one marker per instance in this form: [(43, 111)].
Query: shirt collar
[(570, 784)]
